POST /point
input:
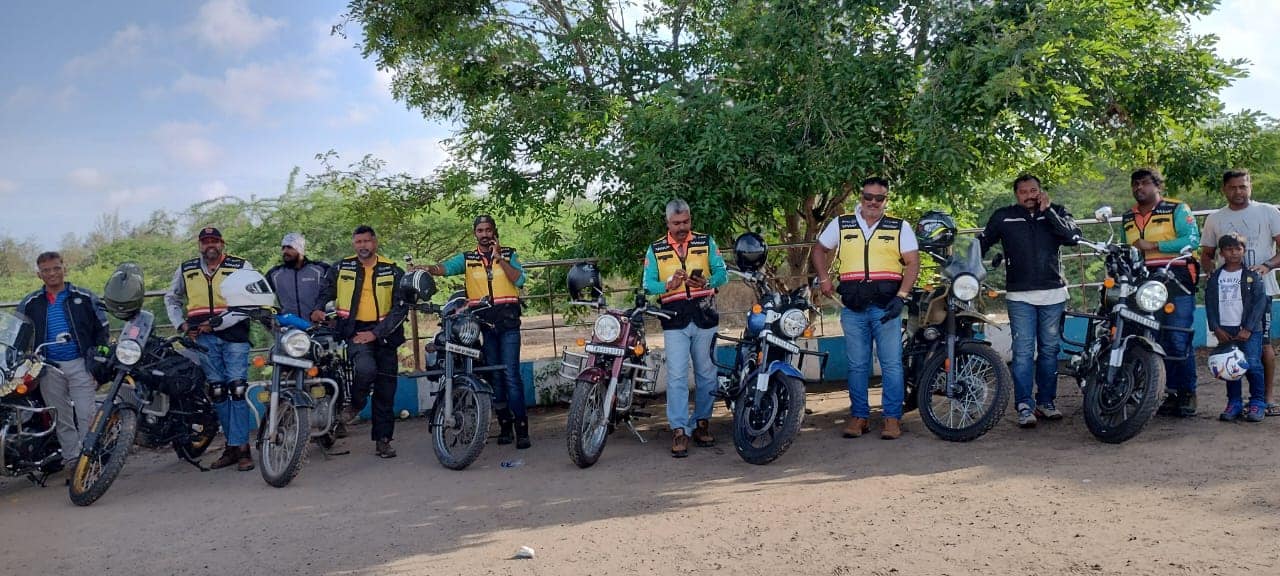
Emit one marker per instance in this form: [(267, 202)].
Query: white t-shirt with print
[(1230, 301)]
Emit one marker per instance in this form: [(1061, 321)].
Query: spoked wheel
[(764, 430), (98, 468), (983, 385), (458, 441), (282, 455), (1117, 411), (586, 435)]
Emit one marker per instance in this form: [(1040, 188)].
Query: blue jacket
[(85, 313)]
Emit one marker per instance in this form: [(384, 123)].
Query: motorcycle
[(959, 383), (28, 442), (610, 372), (157, 396), (764, 388), (1120, 365), (458, 401)]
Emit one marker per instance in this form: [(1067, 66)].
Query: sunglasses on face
[(879, 198)]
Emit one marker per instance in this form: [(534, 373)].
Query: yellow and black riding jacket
[(204, 294), (346, 281), (870, 263), (1172, 226), (700, 256)]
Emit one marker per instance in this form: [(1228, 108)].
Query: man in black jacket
[(56, 308), (298, 280), (365, 289), (1031, 232)]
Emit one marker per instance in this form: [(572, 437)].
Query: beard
[(211, 253), (364, 253), (289, 259)]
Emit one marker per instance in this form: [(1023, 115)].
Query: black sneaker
[(522, 435), (1187, 405), (1170, 405)]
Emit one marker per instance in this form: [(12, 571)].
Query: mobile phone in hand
[(697, 273)]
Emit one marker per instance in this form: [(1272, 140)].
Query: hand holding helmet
[(1228, 363)]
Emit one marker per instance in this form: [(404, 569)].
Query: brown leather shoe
[(856, 427), (892, 429), (245, 463), (383, 448), (230, 455), (679, 443), (702, 434)]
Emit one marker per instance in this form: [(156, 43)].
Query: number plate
[(605, 350), (1147, 321), (463, 350), (290, 361), (783, 344)]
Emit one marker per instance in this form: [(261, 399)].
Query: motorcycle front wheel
[(764, 430), (1117, 411), (983, 387), (280, 457), (96, 469), (585, 435), (458, 443)]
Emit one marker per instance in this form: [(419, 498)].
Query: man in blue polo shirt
[(61, 308)]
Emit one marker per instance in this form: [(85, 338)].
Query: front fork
[(90, 444)]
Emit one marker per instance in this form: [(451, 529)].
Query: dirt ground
[(1189, 496)]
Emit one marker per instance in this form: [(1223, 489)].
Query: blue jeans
[(227, 363), (1252, 349), (1036, 341), (503, 347), (1180, 375), (695, 342), (861, 330)]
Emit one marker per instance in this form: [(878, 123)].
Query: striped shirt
[(56, 322)]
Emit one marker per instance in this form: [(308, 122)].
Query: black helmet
[(582, 276), (749, 252), (124, 291), (936, 230), (418, 285)]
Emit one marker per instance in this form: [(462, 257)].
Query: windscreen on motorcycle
[(15, 336), (966, 258)]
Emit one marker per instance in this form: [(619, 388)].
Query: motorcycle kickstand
[(39, 481), (633, 430), (196, 463)]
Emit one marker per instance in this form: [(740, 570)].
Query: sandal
[(1273, 409)]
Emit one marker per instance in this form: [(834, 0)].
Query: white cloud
[(130, 197), (249, 90), (124, 47), (214, 190), (1236, 23), (382, 83), (7, 186), (355, 115), (27, 97), (229, 26), (186, 143), (416, 156), (87, 178)]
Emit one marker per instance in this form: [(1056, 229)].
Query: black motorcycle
[(1120, 364), (157, 397), (28, 441)]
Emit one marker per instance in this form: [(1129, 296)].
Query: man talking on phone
[(685, 268)]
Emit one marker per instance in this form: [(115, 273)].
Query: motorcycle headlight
[(965, 287), (1151, 296), (128, 352), (467, 331), (295, 343), (607, 329), (793, 323)]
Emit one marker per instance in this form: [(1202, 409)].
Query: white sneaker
[(1048, 411), (1026, 416)]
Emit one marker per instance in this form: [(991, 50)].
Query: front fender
[(594, 375), (785, 368), (1141, 341), (297, 397), (976, 317), (472, 381)]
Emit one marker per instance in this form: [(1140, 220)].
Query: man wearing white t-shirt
[(878, 260), (1259, 223)]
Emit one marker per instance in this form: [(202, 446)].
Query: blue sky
[(132, 106)]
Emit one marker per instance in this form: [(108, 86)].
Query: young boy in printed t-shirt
[(1235, 300)]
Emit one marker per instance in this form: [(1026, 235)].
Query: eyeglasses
[(879, 198), (53, 270)]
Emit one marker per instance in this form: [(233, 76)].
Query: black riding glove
[(893, 310)]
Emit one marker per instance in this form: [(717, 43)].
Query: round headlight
[(1151, 296), (128, 352), (295, 343), (467, 331), (965, 287), (607, 329), (793, 323)]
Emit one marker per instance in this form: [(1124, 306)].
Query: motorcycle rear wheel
[(459, 445), (584, 438), (92, 476), (985, 386), (763, 432), (280, 459), (1117, 411)]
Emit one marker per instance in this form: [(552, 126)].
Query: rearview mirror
[(1103, 214)]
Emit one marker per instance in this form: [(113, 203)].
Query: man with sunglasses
[(878, 262), (1031, 232)]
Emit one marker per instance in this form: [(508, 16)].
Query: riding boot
[(522, 434), (504, 426)]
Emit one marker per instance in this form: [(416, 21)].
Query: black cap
[(210, 232), (482, 219)]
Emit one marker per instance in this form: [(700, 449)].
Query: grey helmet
[(123, 294)]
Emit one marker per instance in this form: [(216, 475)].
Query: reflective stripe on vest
[(482, 280), (870, 256), (1157, 227), (697, 257), (384, 280), (204, 293)]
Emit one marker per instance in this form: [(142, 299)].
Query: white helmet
[(1228, 364), (248, 288)]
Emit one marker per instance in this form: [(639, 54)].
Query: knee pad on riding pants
[(237, 389), (217, 392)]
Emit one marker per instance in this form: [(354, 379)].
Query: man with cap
[(298, 282), (494, 271), (195, 297)]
